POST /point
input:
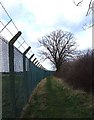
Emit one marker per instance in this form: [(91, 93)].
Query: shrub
[(79, 73)]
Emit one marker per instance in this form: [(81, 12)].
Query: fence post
[(25, 74), (30, 73), (12, 76), (31, 57), (34, 60)]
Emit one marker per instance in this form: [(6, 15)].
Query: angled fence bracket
[(25, 73), (31, 57), (11, 69)]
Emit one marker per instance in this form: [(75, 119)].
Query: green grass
[(58, 101)]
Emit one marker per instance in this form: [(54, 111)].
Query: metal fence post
[(25, 74), (30, 74), (12, 76)]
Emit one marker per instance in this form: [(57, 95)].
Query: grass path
[(53, 99)]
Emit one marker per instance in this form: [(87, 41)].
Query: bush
[(79, 73)]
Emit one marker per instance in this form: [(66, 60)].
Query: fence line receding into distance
[(19, 74)]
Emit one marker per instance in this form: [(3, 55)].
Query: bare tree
[(90, 6), (59, 47), (90, 11)]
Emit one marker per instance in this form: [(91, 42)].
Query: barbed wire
[(12, 22), (5, 27)]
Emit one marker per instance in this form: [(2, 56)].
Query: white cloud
[(48, 11), (35, 18), (84, 39)]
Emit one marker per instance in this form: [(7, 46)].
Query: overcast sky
[(35, 18)]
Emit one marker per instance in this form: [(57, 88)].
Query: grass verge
[(53, 99)]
